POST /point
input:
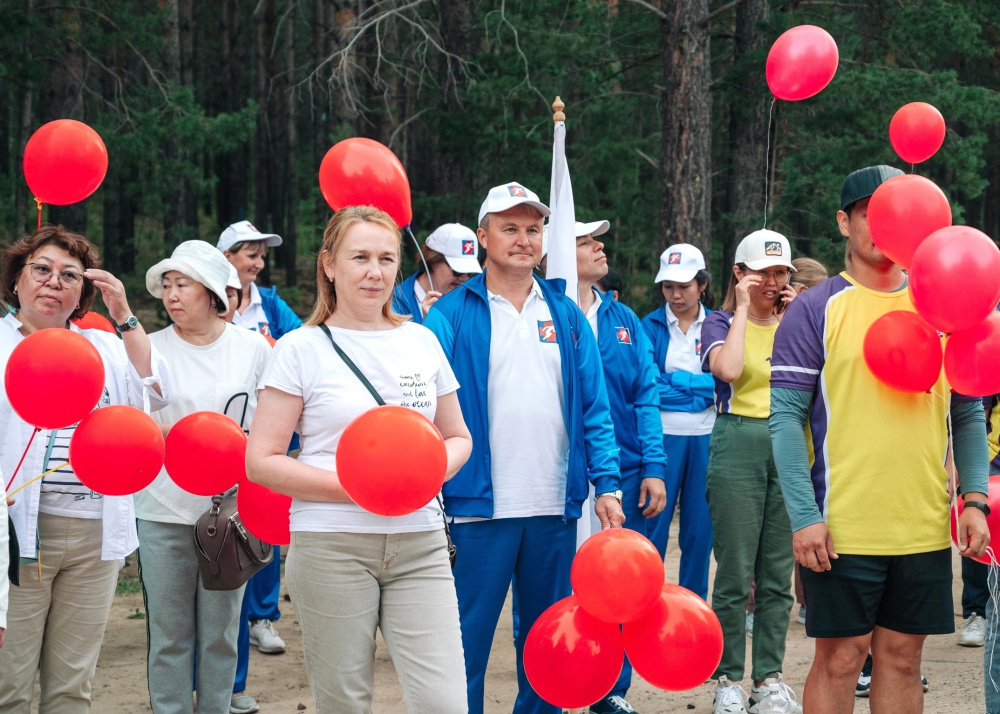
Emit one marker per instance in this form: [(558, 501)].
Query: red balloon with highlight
[(206, 453), (972, 359), (916, 132), (117, 450), (903, 351), (571, 658), (64, 162), (903, 212), (617, 575), (801, 62), (363, 172)]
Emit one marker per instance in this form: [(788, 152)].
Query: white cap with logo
[(594, 228), (243, 232), (458, 245), (764, 249), (234, 278), (505, 197), (680, 263)]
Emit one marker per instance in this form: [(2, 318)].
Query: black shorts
[(906, 593)]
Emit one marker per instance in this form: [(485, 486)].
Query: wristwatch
[(130, 324), (617, 494), (981, 505)]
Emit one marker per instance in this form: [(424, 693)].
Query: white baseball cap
[(502, 198), (595, 228), (199, 261), (680, 263), (458, 245), (234, 278), (764, 249), (245, 231)]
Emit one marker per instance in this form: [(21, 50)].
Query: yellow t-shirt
[(750, 395), (993, 428), (872, 445)]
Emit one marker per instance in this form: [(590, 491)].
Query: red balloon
[(264, 512), (54, 378), (972, 359), (902, 212), (95, 321), (116, 450), (206, 453), (391, 460), (571, 658), (992, 520), (903, 351), (677, 644), (362, 172), (916, 132), (802, 61), (64, 162), (955, 278), (617, 575)]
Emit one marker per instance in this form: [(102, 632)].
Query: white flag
[(562, 223)]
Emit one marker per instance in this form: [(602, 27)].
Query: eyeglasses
[(780, 276), (457, 274), (42, 273)]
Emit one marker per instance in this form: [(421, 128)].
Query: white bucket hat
[(764, 249), (199, 261), (458, 245), (680, 263)]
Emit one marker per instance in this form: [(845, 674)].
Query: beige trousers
[(55, 627), (345, 585)]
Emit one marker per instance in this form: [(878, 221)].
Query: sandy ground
[(280, 686)]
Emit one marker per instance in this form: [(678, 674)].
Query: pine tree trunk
[(289, 245), (686, 166)]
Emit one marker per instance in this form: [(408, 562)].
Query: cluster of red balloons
[(574, 652), (802, 61), (369, 465), (64, 162), (363, 172)]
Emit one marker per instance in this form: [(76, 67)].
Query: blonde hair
[(334, 234), (808, 272)]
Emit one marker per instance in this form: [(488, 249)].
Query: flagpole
[(557, 108)]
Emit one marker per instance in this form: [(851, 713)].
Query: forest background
[(217, 111)]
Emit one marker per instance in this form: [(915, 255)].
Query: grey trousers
[(183, 618)]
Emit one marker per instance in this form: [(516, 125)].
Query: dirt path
[(279, 682)]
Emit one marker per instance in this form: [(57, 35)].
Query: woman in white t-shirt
[(71, 540), (350, 571), (218, 367)]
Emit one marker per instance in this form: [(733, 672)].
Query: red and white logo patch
[(517, 191), (624, 335), (546, 331), (674, 259), (468, 247)]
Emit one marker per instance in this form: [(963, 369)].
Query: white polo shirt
[(252, 317), (592, 312), (529, 444), (684, 355)]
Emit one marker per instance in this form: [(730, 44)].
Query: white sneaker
[(974, 634), (773, 697), (750, 624), (265, 639), (729, 698)]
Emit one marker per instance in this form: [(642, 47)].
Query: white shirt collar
[(536, 290), (672, 318), (254, 294)]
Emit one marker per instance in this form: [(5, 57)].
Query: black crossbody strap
[(354, 368), (381, 402)]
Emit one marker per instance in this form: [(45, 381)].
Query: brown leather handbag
[(228, 554)]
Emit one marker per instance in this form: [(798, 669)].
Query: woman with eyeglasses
[(752, 534), (222, 365), (451, 256), (72, 540)]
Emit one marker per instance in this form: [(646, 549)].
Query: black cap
[(863, 182)]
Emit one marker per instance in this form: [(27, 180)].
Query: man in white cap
[(534, 397), (262, 310), (448, 258)]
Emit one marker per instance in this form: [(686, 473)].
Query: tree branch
[(652, 8), (707, 20)]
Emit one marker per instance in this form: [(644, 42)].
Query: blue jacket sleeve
[(603, 465), (685, 392), (282, 318), (647, 412)]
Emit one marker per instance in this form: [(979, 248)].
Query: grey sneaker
[(750, 624), (243, 704), (264, 637), (974, 634)]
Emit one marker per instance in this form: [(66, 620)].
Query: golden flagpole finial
[(557, 107)]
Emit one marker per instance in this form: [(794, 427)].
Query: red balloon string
[(38, 204), (18, 467)]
